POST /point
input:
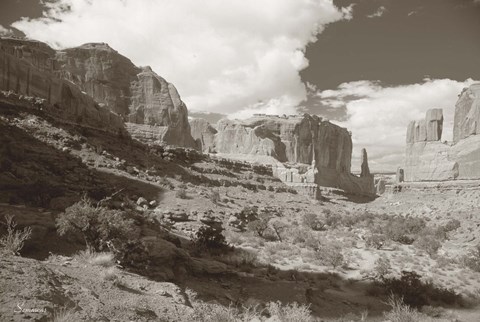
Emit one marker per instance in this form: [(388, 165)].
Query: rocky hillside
[(429, 159)]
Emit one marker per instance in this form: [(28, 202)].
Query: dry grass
[(103, 259), (64, 315), (15, 239)]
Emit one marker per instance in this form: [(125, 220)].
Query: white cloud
[(380, 11), (378, 115), (223, 56), (5, 31)]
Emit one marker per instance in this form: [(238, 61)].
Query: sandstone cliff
[(29, 68), (467, 113), (138, 94), (89, 81), (428, 159), (293, 139), (204, 135)]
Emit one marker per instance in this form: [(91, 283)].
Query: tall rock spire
[(365, 170)]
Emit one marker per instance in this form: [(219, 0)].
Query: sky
[(368, 65)]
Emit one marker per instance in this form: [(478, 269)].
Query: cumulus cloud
[(5, 31), (380, 11), (378, 115), (230, 57)]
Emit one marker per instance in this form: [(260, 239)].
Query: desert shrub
[(472, 259), (13, 241), (332, 220), (451, 225), (291, 312), (181, 193), (401, 312), (214, 196), (210, 239), (382, 267), (98, 225), (278, 227), (376, 241), (417, 293), (429, 243), (64, 314), (313, 221), (103, 259), (329, 254), (203, 312), (260, 225), (404, 230)]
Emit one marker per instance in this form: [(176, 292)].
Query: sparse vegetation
[(472, 259), (13, 241), (98, 225), (210, 239)]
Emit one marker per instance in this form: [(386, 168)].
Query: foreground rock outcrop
[(290, 144), (429, 159), (90, 82)]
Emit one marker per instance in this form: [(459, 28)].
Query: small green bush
[(210, 239), (313, 221), (472, 259), (376, 241)]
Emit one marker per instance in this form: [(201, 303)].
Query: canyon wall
[(294, 140), (429, 159), (29, 68), (95, 79)]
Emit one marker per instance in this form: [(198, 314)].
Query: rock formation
[(29, 68), (295, 140), (138, 94), (95, 79), (467, 113), (427, 130), (365, 170), (203, 134), (432, 160)]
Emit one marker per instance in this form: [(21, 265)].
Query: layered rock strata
[(292, 143), (90, 82), (431, 160), (29, 68)]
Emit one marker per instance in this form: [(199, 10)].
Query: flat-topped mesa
[(303, 140), (467, 113), (138, 94), (432, 160), (29, 68), (428, 129)]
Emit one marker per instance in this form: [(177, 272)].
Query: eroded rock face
[(427, 130), (467, 113), (204, 135), (297, 140), (432, 160), (138, 94), (29, 68)]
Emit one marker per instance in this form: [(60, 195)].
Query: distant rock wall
[(204, 135), (29, 68), (467, 113), (428, 159), (296, 140)]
